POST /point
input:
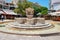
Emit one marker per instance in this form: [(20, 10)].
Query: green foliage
[(44, 10), (17, 10), (37, 9), (1, 25), (23, 5), (0, 6)]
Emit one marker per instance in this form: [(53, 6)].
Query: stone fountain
[(30, 22)]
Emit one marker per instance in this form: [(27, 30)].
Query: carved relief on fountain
[(40, 20), (30, 20), (21, 20)]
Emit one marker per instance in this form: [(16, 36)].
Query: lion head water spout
[(29, 12)]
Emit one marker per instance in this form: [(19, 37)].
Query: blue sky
[(41, 2), (8, 0)]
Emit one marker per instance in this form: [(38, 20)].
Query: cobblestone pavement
[(4, 36)]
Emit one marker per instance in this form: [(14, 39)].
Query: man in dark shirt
[(2, 17)]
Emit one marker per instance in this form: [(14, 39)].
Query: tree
[(22, 6), (41, 9), (44, 10), (17, 10), (26, 4)]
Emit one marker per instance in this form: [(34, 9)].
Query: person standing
[(2, 17)]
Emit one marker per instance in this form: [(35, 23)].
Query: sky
[(44, 3)]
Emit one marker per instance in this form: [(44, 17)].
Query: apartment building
[(55, 4)]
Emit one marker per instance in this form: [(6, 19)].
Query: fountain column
[(29, 14)]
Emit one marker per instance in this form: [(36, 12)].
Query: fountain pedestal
[(29, 21)]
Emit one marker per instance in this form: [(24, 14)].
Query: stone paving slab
[(19, 37)]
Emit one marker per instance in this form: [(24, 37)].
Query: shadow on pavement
[(54, 34)]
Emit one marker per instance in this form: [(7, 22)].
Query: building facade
[(6, 5), (55, 4), (2, 1)]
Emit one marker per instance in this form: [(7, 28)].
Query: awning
[(1, 12), (55, 13), (9, 12)]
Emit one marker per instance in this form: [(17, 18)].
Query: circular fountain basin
[(16, 31), (27, 26)]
